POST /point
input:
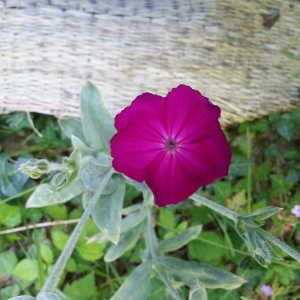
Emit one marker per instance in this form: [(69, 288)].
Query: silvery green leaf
[(133, 220), (111, 187), (263, 213), (72, 126), (180, 239), (130, 209), (260, 248), (98, 125), (273, 254), (198, 292), (140, 186), (43, 197), (22, 298), (102, 160), (91, 179), (107, 213), (127, 241), (99, 237), (11, 180), (77, 143), (190, 272), (47, 296), (137, 286), (93, 171), (250, 237)]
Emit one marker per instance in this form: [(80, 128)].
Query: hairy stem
[(153, 252), (216, 207), (249, 170), (60, 264)]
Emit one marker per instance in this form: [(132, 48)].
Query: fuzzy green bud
[(35, 168), (59, 180)]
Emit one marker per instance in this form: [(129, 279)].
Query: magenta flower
[(267, 290), (174, 143), (296, 210)]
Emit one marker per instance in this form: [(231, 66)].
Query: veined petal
[(145, 112), (133, 149), (167, 179), (174, 143), (206, 159), (186, 110)]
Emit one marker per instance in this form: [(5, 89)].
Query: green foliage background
[(265, 171)]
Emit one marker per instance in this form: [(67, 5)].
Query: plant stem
[(167, 283), (60, 264), (151, 234), (153, 253), (249, 171), (216, 207), (18, 195)]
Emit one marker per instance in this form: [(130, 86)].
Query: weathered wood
[(49, 49)]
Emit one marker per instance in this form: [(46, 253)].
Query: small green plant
[(130, 247)]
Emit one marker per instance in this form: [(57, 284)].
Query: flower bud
[(35, 167), (59, 180)]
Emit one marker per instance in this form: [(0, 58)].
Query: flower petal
[(133, 149), (145, 111), (206, 159), (187, 111), (167, 179), (138, 149)]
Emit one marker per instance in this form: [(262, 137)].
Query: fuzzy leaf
[(180, 240), (43, 197), (137, 286), (198, 292), (79, 144), (11, 180), (98, 125), (72, 127), (107, 212), (133, 220), (47, 296), (263, 213), (190, 272), (127, 242), (93, 172)]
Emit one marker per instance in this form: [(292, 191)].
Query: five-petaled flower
[(296, 210), (174, 143), (267, 290)]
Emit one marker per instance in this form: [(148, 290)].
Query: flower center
[(170, 145)]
